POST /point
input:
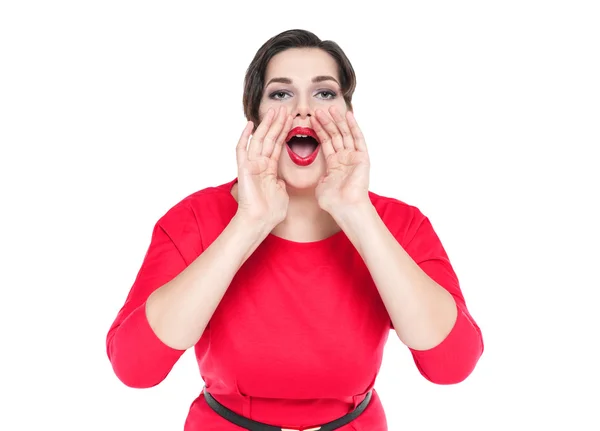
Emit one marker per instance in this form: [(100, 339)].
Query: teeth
[(301, 136)]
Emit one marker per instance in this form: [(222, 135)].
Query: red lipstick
[(303, 161)]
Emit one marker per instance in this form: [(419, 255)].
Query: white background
[(485, 115)]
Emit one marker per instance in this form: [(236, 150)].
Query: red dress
[(298, 337)]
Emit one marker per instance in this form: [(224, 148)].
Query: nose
[(302, 108)]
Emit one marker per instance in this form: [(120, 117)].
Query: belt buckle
[(303, 429)]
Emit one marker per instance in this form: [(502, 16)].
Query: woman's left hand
[(345, 184)]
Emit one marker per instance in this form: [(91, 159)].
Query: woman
[(287, 279)]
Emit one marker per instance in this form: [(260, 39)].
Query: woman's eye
[(326, 94), (279, 95)]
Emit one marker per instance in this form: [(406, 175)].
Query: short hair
[(255, 74)]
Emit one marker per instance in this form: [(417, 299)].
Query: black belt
[(251, 425)]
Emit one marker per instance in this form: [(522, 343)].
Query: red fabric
[(300, 332)]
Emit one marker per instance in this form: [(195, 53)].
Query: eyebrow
[(316, 79)]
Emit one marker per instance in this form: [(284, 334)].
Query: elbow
[(134, 379), (134, 371), (130, 369), (450, 373), (455, 359), (138, 358)]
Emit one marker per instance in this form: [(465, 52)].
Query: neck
[(305, 220)]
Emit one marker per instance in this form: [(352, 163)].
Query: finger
[(343, 127), (281, 140), (330, 127), (240, 149), (257, 139), (323, 136), (359, 139), (274, 132)]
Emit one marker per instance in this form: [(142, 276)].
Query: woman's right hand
[(262, 196)]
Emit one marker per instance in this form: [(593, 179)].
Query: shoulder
[(395, 210), (401, 218), (207, 198), (209, 203)]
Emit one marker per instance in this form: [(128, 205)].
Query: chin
[(301, 178)]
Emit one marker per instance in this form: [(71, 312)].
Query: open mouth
[(303, 145)]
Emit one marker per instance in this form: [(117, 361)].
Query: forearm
[(179, 311), (423, 312)]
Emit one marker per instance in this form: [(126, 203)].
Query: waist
[(276, 410)]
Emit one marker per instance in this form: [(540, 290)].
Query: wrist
[(360, 223), (254, 227), (354, 215)]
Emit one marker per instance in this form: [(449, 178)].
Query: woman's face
[(303, 80)]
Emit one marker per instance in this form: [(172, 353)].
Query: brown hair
[(255, 74)]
